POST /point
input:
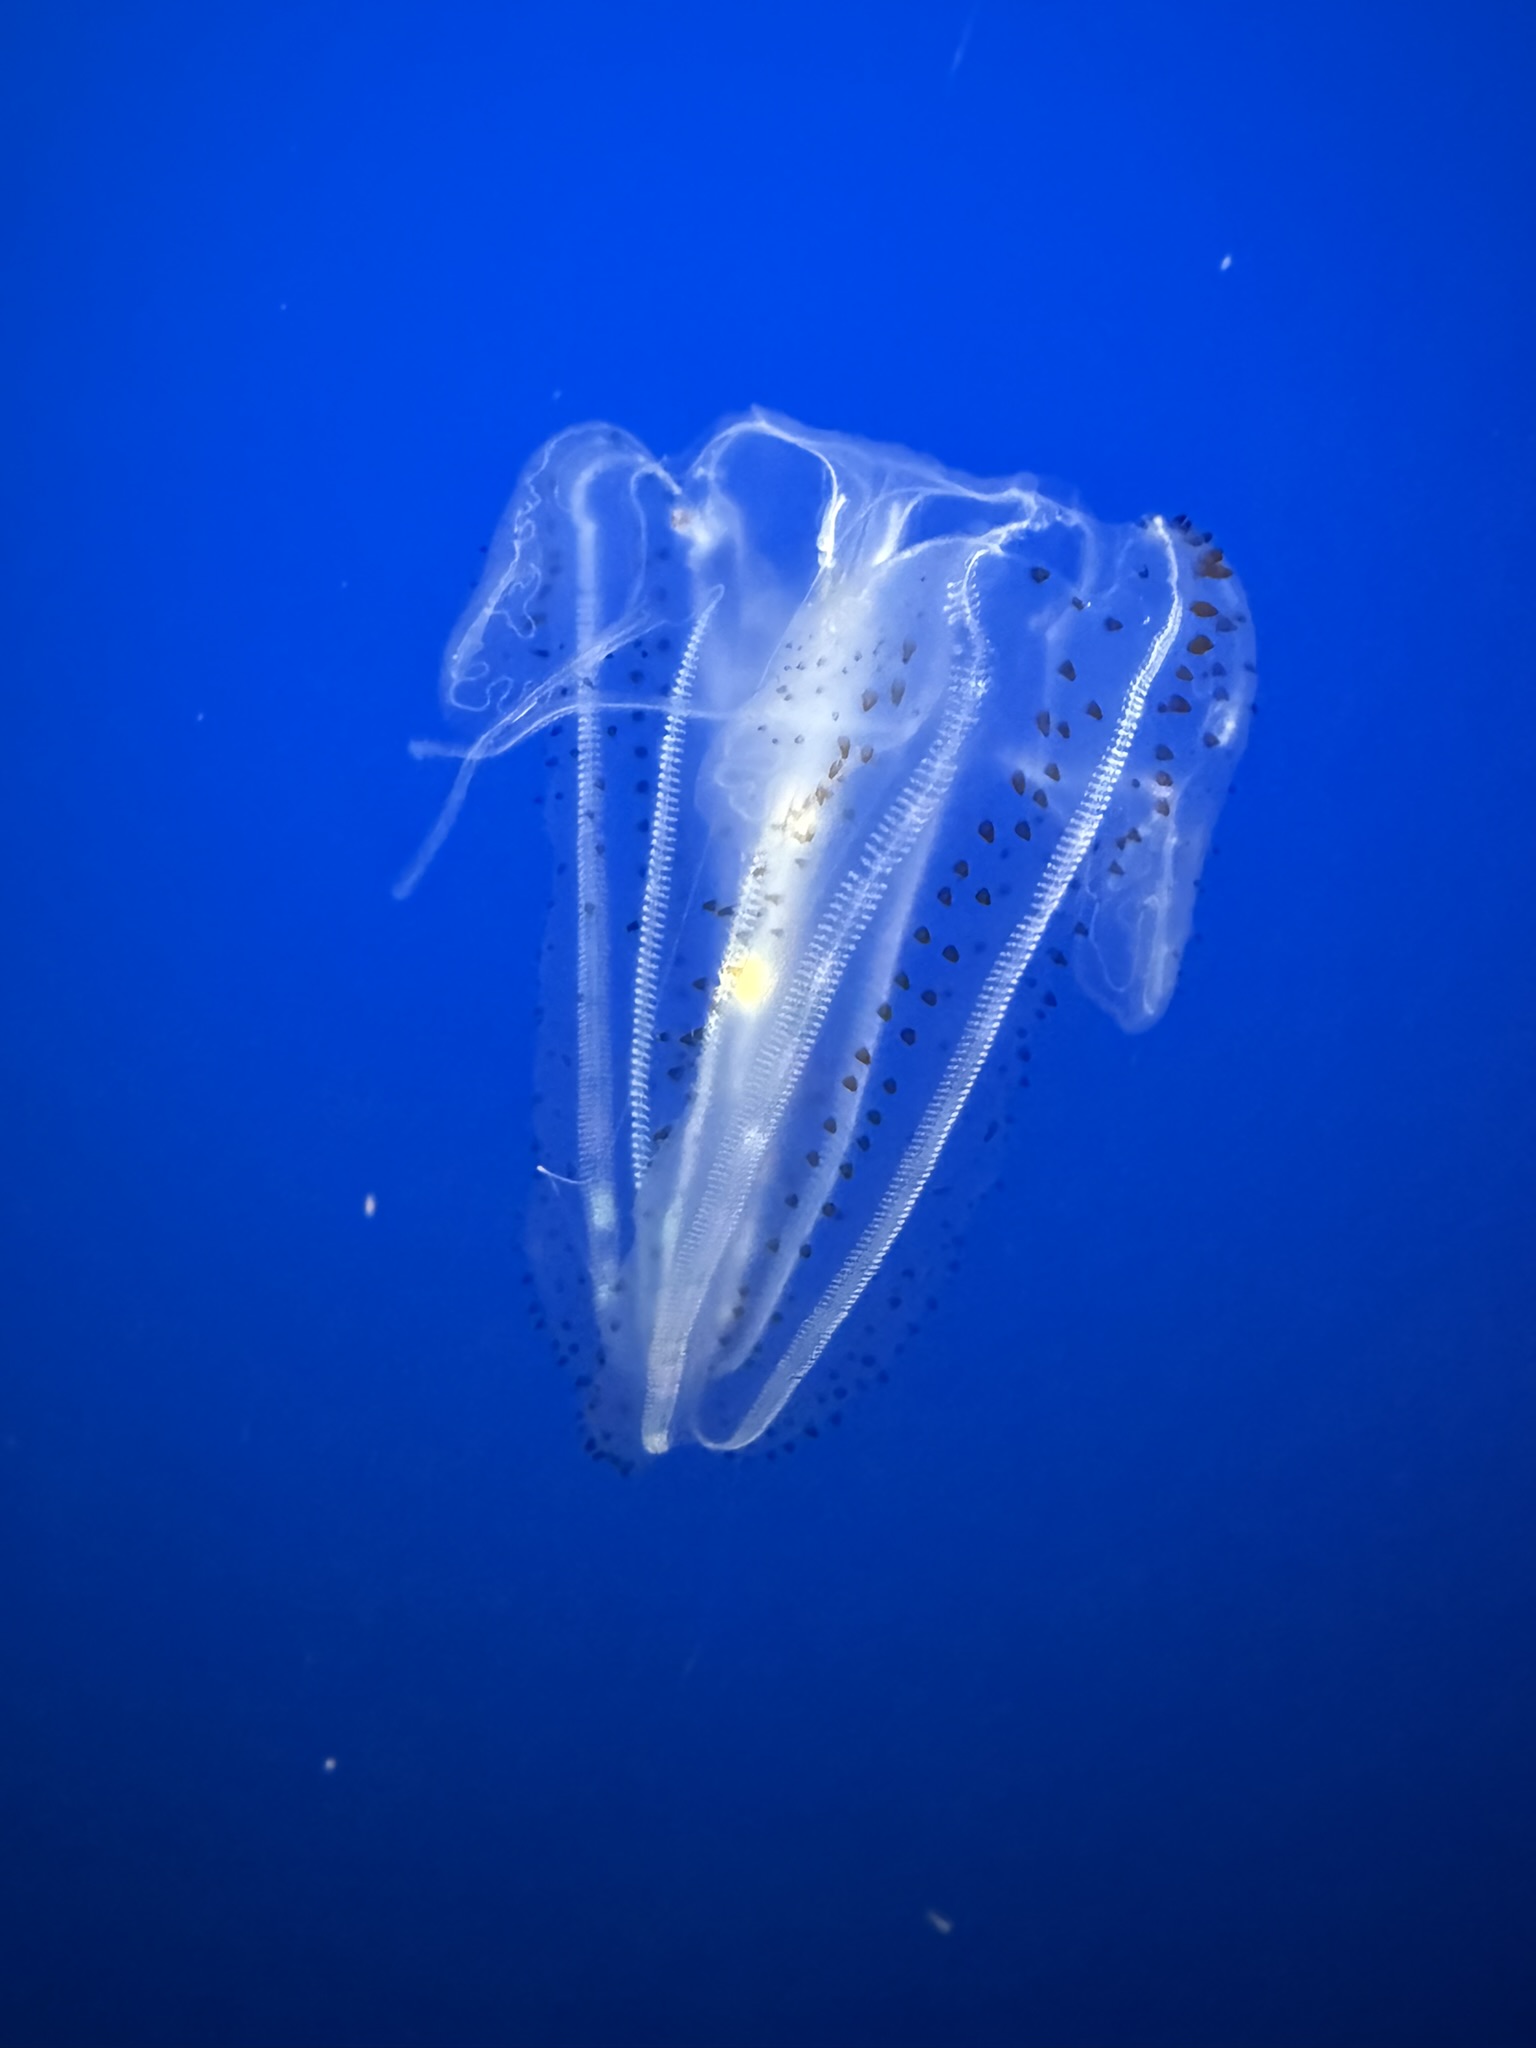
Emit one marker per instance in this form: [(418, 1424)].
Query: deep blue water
[(1165, 1628)]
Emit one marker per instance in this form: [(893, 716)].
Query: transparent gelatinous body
[(842, 748)]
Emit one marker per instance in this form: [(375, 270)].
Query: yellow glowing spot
[(751, 980)]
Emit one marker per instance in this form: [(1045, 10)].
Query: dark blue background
[(1169, 1627)]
